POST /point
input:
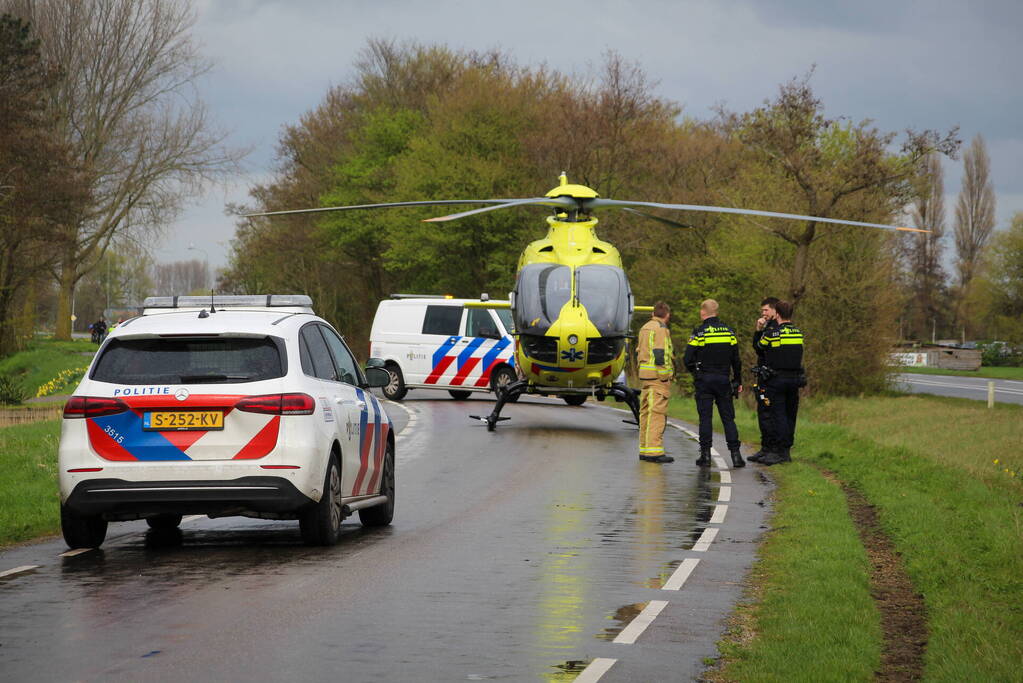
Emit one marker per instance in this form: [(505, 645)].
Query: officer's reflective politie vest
[(653, 336), (713, 348), (783, 347)]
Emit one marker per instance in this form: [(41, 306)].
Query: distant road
[(1006, 390)]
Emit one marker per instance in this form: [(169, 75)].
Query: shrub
[(12, 392)]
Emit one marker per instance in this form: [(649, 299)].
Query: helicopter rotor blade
[(596, 203), (439, 202), (564, 202), (659, 219)]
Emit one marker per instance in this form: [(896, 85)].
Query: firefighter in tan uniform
[(655, 372)]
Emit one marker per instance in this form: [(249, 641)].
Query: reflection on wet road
[(518, 555)]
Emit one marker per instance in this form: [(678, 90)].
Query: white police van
[(230, 405), (434, 342)]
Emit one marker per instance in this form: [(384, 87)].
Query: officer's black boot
[(657, 458), (704, 459), (758, 455), (775, 457), (737, 460)]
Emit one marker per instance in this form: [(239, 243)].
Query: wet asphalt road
[(976, 388), (515, 555)]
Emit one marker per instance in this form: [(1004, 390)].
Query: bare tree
[(180, 277), (975, 212), (131, 114), (926, 271)]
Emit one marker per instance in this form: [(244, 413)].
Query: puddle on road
[(624, 615), (567, 671)]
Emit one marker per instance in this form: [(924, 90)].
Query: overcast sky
[(925, 64)]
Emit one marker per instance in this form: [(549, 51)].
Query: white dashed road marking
[(597, 668), (706, 538), (719, 514), (643, 619), (726, 477), (681, 574), (76, 551), (724, 494), (18, 570)]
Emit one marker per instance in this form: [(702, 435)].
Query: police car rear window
[(189, 361)]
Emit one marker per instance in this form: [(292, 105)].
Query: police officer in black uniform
[(765, 323), (783, 357), (711, 353)]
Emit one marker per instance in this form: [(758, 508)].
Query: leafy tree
[(997, 304), (828, 168), (39, 187), (129, 114)]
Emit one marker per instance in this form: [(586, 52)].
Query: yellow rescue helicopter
[(572, 305)]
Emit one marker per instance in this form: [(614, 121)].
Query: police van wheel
[(459, 395), (395, 389), (574, 399), (502, 377)]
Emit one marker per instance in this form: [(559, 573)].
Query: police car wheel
[(459, 395), (164, 522), (502, 377), (321, 523), (82, 531), (395, 389), (381, 515), (574, 399)]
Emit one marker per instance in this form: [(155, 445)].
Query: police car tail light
[(93, 406), (278, 404)]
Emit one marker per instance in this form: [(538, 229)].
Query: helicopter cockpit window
[(540, 293), (604, 293)]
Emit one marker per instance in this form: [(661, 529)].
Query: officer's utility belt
[(713, 371), (798, 375)]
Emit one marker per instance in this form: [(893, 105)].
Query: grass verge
[(46, 359), (29, 502), (955, 516), (991, 372), (793, 628)]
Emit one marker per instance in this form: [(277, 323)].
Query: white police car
[(251, 406)]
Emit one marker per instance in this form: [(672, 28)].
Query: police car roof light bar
[(229, 301)]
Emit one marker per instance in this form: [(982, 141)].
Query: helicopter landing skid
[(629, 395), (620, 392), (509, 392)]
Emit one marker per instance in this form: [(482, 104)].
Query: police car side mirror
[(375, 363), (377, 377)]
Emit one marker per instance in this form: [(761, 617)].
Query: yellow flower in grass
[(63, 378)]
